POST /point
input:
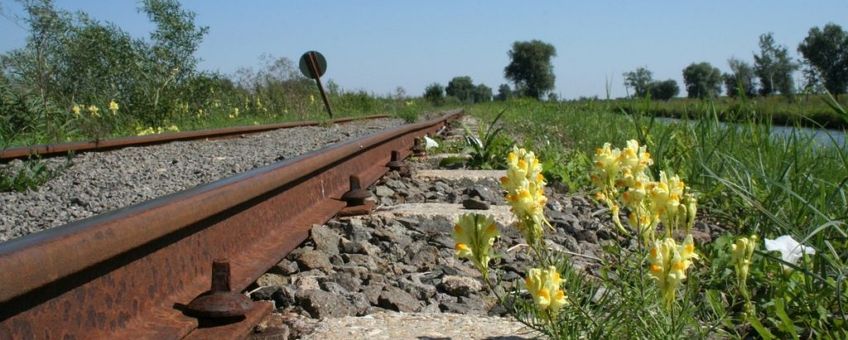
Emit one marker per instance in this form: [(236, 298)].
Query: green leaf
[(762, 330), (786, 322)]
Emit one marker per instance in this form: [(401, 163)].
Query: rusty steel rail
[(52, 150), (131, 272)]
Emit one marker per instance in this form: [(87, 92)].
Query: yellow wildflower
[(633, 160), (76, 110), (666, 198), (545, 285), (607, 162), (525, 192), (741, 257), (474, 235), (113, 106), (145, 132), (94, 111), (668, 264)]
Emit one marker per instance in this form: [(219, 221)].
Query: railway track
[(52, 150), (145, 271)]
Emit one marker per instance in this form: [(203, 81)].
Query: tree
[(702, 80), (462, 88), (482, 93), (176, 37), (741, 80), (826, 50), (530, 67), (435, 94), (74, 59), (175, 40), (774, 67), (639, 80), (504, 92), (663, 90)]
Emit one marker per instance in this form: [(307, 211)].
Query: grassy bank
[(744, 179), (218, 113), (806, 110)]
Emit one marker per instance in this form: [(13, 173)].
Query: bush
[(435, 94), (664, 90)]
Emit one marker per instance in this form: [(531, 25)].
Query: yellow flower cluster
[(525, 192), (648, 202), (669, 262), (621, 177), (235, 113), (93, 110), (741, 257), (615, 169), (671, 205), (474, 235), (113, 106), (157, 130), (545, 285)]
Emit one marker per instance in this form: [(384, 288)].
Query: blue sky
[(379, 45)]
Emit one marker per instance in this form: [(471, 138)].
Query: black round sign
[(320, 64)]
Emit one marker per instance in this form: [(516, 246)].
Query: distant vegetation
[(60, 86), (810, 110)]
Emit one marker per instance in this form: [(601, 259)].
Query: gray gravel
[(95, 183)]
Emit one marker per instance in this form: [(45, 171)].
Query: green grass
[(217, 117), (745, 180), (31, 174), (807, 110)]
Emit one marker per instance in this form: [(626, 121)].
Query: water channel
[(823, 137)]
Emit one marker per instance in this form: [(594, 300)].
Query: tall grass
[(805, 109), (748, 181)]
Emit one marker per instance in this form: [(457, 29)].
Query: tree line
[(530, 69), (824, 66)]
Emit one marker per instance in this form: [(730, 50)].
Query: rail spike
[(220, 302), (418, 148), (356, 199)]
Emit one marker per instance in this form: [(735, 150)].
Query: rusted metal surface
[(418, 148), (51, 150), (130, 273), (357, 194), (395, 164), (219, 302)]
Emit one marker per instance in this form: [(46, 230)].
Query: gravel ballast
[(95, 183)]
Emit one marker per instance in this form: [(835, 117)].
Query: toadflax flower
[(790, 250), (94, 111), (474, 235), (741, 257), (76, 110), (525, 192), (113, 106), (668, 264), (545, 285), (615, 169)]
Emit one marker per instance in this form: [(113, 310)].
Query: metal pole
[(313, 66)]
